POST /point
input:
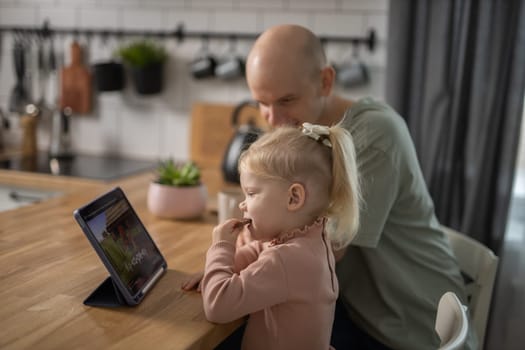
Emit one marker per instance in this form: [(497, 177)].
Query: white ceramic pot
[(173, 202)]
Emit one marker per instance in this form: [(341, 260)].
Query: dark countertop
[(98, 167)]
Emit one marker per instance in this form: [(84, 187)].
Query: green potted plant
[(177, 192), (146, 60)]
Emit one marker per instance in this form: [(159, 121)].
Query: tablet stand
[(106, 295)]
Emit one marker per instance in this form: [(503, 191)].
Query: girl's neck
[(298, 231)]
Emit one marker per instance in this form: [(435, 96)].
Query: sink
[(12, 197)]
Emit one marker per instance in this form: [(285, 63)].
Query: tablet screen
[(123, 240)]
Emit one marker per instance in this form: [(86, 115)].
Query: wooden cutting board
[(212, 130), (76, 88)]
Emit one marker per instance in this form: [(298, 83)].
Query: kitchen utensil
[(19, 95), (4, 124), (42, 75), (60, 145), (75, 90), (28, 122), (244, 136), (42, 71)]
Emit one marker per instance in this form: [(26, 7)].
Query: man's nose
[(274, 116)]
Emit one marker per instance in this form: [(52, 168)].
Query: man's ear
[(327, 80), (296, 196)]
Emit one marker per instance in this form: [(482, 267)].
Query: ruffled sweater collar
[(297, 232)]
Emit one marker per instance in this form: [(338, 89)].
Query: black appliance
[(104, 167), (243, 137)]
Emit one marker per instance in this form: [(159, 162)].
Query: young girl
[(294, 181)]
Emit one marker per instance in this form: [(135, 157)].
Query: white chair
[(479, 265), (451, 322)]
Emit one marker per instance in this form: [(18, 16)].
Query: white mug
[(228, 204)]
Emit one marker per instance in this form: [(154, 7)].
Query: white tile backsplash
[(213, 4), (158, 126), (258, 4), (18, 16), (175, 136), (191, 20), (235, 21), (338, 24), (272, 18), (316, 5), (143, 19), (97, 18), (140, 128), (365, 5), (59, 17)]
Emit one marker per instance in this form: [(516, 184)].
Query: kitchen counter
[(48, 268), (99, 167)]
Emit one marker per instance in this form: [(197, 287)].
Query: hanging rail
[(179, 33)]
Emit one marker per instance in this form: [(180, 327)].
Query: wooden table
[(48, 267)]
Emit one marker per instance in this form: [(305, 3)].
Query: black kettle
[(244, 136)]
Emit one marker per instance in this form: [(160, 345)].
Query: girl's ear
[(296, 196)]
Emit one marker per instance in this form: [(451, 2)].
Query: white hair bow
[(317, 132)]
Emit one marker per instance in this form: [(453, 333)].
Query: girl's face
[(265, 204)]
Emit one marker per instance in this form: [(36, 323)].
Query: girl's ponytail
[(345, 192)]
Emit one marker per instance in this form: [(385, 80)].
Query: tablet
[(124, 245)]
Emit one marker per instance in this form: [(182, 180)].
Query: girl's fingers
[(193, 282)]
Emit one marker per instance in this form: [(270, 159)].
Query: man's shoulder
[(373, 122), (373, 111)]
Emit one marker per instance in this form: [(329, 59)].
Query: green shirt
[(400, 262)]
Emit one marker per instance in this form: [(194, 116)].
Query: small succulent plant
[(178, 174)]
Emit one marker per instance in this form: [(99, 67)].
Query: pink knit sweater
[(288, 287)]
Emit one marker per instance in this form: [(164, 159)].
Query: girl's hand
[(244, 238), (193, 282), (229, 230)]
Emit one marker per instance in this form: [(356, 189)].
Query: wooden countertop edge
[(45, 181)]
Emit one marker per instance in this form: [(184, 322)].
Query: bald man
[(392, 275), (394, 272)]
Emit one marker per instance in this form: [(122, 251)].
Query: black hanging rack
[(179, 34)]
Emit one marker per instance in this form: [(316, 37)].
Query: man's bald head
[(289, 47), (287, 75)]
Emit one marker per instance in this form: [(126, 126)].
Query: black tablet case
[(107, 294)]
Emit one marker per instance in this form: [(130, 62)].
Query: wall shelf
[(179, 34)]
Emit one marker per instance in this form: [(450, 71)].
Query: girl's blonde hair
[(329, 174)]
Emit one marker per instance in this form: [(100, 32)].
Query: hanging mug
[(354, 72), (232, 65), (230, 69), (203, 66), (109, 76)]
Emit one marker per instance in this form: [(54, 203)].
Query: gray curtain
[(456, 73)]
